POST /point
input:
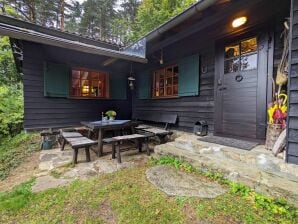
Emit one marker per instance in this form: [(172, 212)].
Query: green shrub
[(11, 110)]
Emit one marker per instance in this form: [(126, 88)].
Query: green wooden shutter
[(189, 76), (118, 86), (144, 81), (56, 80)]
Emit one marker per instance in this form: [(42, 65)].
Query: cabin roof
[(27, 31)]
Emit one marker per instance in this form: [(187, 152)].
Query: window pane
[(96, 88), (169, 72), (75, 87), (84, 75), (176, 70), (175, 90), (94, 75), (249, 62), (231, 65), (249, 46), (169, 81), (75, 74), (175, 81), (85, 87), (169, 91), (232, 51)]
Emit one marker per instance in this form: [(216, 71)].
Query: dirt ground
[(22, 173)]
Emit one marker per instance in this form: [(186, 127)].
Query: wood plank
[(128, 137)]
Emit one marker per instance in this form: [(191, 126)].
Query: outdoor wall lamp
[(240, 21), (131, 78), (131, 81)]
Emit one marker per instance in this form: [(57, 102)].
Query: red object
[(279, 117)]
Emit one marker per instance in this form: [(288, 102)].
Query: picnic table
[(101, 127)]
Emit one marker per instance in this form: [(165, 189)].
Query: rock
[(47, 182), (177, 183)]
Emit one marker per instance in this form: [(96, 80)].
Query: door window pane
[(242, 56), (249, 62), (249, 46), (232, 51), (232, 65)]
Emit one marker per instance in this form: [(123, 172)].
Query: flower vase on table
[(111, 114)]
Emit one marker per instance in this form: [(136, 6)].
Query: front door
[(238, 88)]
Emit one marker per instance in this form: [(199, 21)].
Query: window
[(242, 56), (165, 82), (88, 83)]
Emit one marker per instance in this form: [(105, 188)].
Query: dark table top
[(108, 124)]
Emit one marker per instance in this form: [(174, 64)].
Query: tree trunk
[(62, 15)]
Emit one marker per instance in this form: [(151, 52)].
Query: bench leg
[(75, 156), (63, 144), (87, 154), (113, 150), (139, 144), (118, 153), (146, 145)]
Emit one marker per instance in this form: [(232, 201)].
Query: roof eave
[(33, 36)]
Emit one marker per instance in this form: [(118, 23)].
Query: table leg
[(87, 154), (63, 144), (100, 143), (113, 150)]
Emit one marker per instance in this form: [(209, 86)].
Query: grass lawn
[(126, 197), (13, 151)]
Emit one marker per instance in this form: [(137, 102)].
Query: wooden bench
[(118, 141), (68, 135), (162, 118), (79, 143)]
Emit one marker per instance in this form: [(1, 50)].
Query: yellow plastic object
[(271, 112), (283, 106)]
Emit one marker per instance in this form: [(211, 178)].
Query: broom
[(282, 70)]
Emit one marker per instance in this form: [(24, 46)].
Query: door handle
[(222, 88)]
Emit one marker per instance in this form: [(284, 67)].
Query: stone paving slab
[(177, 183), (257, 168)]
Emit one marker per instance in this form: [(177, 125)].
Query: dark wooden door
[(238, 88)]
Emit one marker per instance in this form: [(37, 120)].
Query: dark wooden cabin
[(199, 67)]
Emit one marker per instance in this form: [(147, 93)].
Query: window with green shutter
[(189, 76), (118, 86), (56, 80), (144, 81)]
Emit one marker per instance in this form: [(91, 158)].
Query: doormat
[(231, 142)]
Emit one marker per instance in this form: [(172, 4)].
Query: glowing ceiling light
[(239, 21)]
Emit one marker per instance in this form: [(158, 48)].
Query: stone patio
[(56, 169), (257, 168)]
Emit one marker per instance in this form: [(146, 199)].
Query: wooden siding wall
[(192, 109), (292, 150), (188, 109), (42, 112)]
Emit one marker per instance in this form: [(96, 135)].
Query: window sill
[(165, 97), (87, 98)]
